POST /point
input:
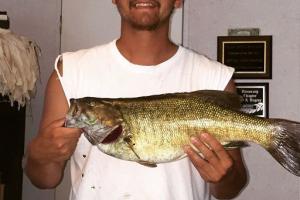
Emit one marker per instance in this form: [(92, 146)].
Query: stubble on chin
[(146, 21), (149, 23), (145, 24)]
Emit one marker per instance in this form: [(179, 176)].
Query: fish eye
[(92, 103), (89, 114), (74, 109)]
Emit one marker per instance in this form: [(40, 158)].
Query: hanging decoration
[(19, 67)]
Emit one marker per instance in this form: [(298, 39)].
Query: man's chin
[(145, 27), (145, 22)]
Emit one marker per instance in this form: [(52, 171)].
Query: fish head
[(98, 119)]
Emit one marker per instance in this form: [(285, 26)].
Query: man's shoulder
[(203, 61), (88, 52), (87, 58), (196, 56)]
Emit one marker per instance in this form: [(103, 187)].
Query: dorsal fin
[(220, 98)]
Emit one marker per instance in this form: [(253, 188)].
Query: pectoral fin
[(142, 162)]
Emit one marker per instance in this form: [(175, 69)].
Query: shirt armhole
[(58, 62), (60, 72)]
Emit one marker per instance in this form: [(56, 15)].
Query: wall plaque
[(255, 98), (251, 56)]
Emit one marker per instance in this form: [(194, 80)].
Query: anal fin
[(234, 144)]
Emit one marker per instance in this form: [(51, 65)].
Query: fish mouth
[(113, 136), (95, 132), (106, 135)]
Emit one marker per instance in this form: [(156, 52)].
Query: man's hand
[(209, 158), (224, 170), (48, 153), (54, 144)]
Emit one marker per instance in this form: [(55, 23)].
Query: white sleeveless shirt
[(103, 72)]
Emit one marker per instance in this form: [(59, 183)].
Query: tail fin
[(285, 147)]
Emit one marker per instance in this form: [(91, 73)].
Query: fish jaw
[(75, 121), (97, 134), (97, 121), (93, 129)]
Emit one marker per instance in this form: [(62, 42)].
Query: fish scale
[(154, 129)]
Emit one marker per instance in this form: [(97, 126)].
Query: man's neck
[(146, 47)]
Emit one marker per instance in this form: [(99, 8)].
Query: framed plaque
[(251, 56), (255, 98)]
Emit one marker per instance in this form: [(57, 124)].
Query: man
[(143, 61)]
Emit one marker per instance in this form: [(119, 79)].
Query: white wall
[(204, 21), (39, 21), (94, 22)]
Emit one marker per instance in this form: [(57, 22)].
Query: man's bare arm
[(223, 170), (48, 152), (236, 179)]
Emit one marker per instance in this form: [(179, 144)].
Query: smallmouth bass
[(154, 129)]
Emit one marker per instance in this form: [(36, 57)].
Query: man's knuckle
[(214, 180), (223, 172), (210, 156), (218, 178), (228, 164), (52, 134), (64, 151), (219, 149), (200, 166), (59, 145)]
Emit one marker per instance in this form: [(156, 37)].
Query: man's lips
[(144, 4)]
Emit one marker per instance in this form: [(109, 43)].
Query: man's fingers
[(61, 131), (71, 132), (215, 146), (196, 159), (207, 153), (206, 170), (209, 157), (224, 158), (57, 123)]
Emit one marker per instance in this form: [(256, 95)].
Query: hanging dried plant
[(19, 67)]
